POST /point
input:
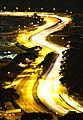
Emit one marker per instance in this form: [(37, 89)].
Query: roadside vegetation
[(71, 71), (72, 60), (72, 116)]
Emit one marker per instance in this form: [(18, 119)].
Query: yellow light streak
[(49, 86)]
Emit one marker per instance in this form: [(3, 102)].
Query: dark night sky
[(60, 5)]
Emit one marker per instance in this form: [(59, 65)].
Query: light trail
[(72, 102), (45, 91), (49, 89), (46, 88)]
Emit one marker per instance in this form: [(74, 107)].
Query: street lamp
[(24, 27), (67, 11), (29, 8), (4, 8), (42, 8), (1, 11), (53, 8), (16, 8)]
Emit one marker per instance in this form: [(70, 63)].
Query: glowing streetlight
[(24, 27), (1, 11), (29, 8), (4, 8), (53, 8), (67, 11), (16, 8), (42, 8)]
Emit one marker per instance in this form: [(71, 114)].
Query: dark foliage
[(71, 70), (72, 116), (7, 95), (39, 116), (10, 71), (48, 60)]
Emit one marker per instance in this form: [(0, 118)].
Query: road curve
[(49, 90), (45, 88)]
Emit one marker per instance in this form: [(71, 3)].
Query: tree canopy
[(72, 70)]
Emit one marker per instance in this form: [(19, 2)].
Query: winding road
[(51, 93)]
